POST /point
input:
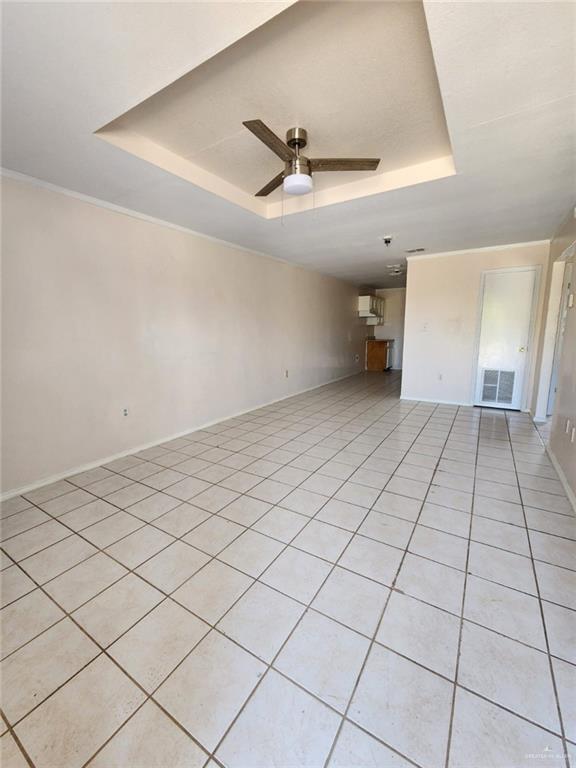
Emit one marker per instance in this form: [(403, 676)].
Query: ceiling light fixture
[(297, 184), (297, 172), (299, 180)]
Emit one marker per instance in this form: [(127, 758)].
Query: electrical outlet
[(125, 412), (439, 377), (286, 373), (356, 358)]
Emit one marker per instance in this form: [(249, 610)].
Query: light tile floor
[(340, 579)]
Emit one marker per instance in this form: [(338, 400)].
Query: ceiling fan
[(296, 177)]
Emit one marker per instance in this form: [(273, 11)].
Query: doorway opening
[(508, 298)]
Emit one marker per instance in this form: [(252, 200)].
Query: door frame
[(551, 375), (530, 357), (547, 340)]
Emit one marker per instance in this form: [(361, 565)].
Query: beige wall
[(565, 236), (393, 328), (442, 319), (103, 311), (561, 447)]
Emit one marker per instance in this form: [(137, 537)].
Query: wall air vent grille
[(498, 386), (490, 386), (506, 386)]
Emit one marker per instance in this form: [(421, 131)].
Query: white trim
[(460, 403), (503, 247), (549, 335), (568, 252), (93, 464), (40, 183), (477, 336), (529, 382), (436, 401), (563, 479)]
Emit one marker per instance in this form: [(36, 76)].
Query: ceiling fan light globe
[(297, 184)]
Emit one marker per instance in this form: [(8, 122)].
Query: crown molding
[(503, 247), (41, 184)]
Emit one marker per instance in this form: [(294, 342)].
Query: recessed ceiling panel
[(359, 76)]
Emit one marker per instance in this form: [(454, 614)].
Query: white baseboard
[(106, 459), (469, 404), (563, 479), (439, 402)]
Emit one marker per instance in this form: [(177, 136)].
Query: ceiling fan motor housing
[(299, 164), (297, 137)]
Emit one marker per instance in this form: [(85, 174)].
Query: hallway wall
[(561, 446), (103, 312), (442, 319)]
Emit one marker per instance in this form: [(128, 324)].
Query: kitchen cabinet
[(371, 309), (378, 354)]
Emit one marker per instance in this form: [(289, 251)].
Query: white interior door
[(506, 320)]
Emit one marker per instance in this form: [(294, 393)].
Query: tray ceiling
[(506, 75), (360, 77)]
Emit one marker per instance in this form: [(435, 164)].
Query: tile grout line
[(120, 509), (271, 664), (366, 456), (218, 514), (132, 570), (10, 728), (542, 615), (166, 595), (144, 523), (463, 603), (104, 649), (215, 628), (190, 501), (383, 612)]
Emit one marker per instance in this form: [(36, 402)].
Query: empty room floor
[(340, 579)]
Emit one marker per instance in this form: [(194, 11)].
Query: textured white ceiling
[(506, 75), (322, 66)]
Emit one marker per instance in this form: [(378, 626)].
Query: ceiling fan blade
[(271, 186), (269, 138), (344, 164)]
